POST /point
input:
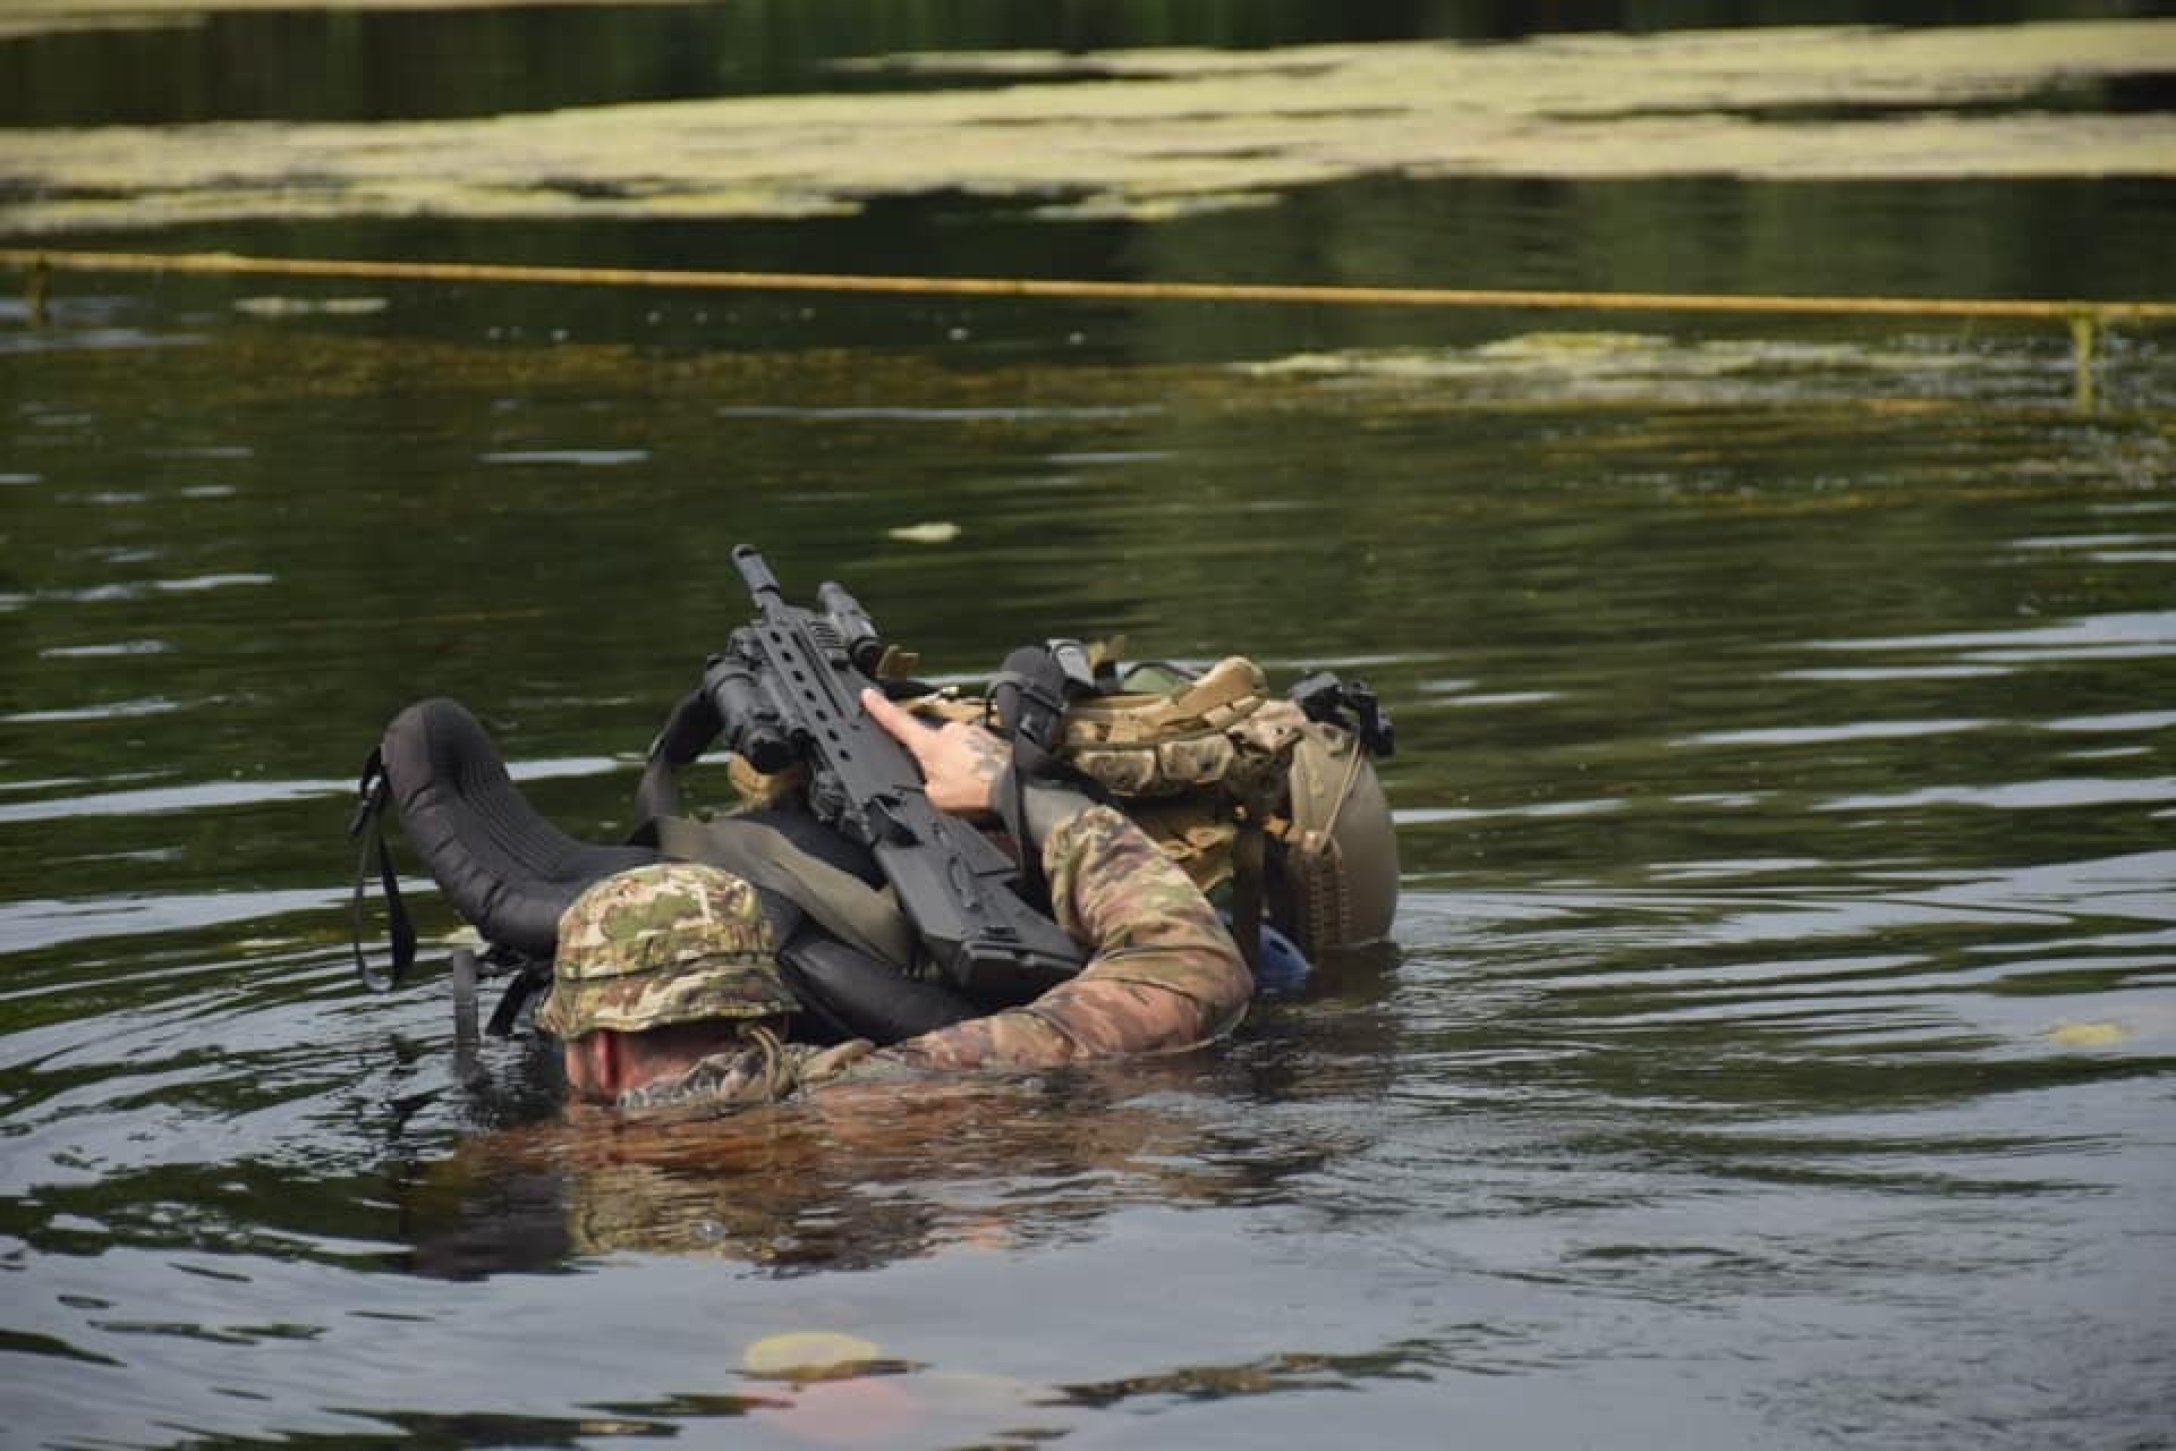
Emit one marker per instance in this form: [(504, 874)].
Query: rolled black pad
[(858, 996), (506, 870)]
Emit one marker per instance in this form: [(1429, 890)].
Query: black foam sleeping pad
[(509, 872)]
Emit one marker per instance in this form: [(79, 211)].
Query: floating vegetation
[(1775, 103), (2088, 1035), (309, 306), (1630, 367), (934, 532), (828, 387)]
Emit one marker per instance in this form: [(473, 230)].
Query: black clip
[(1323, 697)]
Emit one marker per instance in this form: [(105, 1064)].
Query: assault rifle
[(787, 690)]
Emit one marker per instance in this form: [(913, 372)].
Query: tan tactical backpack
[(1244, 787)]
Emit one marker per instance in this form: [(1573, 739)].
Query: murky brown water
[(1779, 1045)]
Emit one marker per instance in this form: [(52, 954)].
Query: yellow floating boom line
[(2087, 314)]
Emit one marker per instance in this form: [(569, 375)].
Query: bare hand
[(960, 762)]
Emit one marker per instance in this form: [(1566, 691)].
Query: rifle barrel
[(761, 582)]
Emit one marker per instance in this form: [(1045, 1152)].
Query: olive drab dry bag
[(1335, 883)]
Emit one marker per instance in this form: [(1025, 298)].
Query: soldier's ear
[(594, 1063)]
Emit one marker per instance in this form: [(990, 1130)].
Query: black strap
[(1249, 854), (372, 792), (686, 734), (1028, 697), (1324, 697), (527, 983), (1027, 702)]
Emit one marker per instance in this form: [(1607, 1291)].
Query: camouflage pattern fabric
[(1166, 974), (760, 1070), (672, 942)]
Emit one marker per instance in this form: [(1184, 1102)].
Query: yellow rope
[(230, 264)]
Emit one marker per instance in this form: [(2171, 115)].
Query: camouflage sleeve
[(1165, 975)]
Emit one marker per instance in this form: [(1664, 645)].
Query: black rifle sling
[(1249, 854), (1028, 697), (858, 914), (368, 822)]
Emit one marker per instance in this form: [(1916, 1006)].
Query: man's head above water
[(659, 967)]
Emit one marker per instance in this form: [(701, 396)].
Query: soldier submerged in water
[(666, 993)]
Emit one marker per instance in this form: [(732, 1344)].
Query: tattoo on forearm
[(990, 755)]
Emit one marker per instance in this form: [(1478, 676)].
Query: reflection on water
[(1777, 1045)]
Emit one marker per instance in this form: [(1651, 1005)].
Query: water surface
[(1778, 1043)]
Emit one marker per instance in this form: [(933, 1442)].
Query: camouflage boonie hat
[(671, 942)]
